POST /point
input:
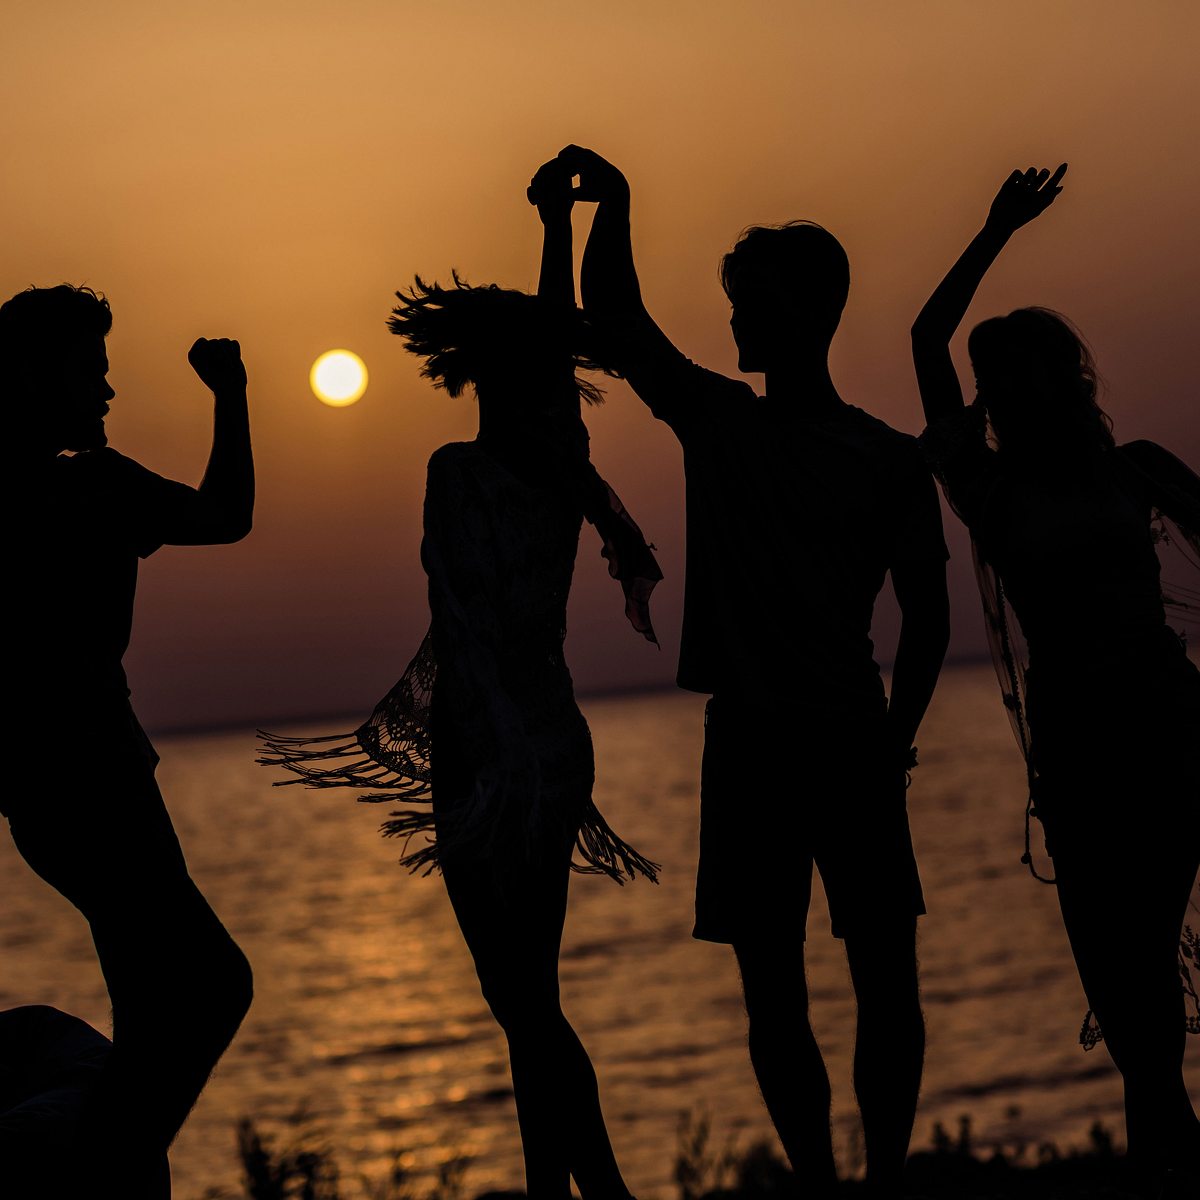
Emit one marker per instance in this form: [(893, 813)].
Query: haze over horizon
[(274, 172)]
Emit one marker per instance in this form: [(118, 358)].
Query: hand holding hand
[(1023, 196), (598, 179), (551, 191), (218, 362)]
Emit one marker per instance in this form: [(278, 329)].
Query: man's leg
[(179, 984), (787, 1061), (890, 1048)]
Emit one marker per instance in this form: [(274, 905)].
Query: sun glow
[(338, 378)]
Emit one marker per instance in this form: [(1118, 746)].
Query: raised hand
[(1023, 196), (218, 362), (598, 179), (551, 191)]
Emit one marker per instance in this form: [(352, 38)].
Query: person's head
[(519, 353), (1035, 376), (788, 285), (53, 339)]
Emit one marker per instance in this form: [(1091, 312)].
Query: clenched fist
[(598, 178), (218, 362)]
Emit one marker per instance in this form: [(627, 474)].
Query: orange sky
[(274, 171)]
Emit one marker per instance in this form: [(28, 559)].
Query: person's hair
[(1046, 337), (39, 318), (468, 335), (799, 261)]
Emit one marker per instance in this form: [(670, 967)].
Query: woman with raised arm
[(1107, 707), (486, 715)]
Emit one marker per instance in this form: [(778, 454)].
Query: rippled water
[(368, 1012)]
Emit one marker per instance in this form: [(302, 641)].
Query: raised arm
[(550, 190), (1023, 196), (222, 509), (612, 297), (608, 278)]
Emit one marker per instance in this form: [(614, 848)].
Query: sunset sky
[(273, 172)]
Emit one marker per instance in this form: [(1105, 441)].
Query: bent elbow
[(240, 524), (922, 333), (231, 529)]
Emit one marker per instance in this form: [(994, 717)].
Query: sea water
[(368, 1018)]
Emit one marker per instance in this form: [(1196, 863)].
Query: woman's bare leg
[(513, 928), (1124, 912)]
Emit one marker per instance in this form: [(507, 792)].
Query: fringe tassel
[(407, 825), (1189, 957), (307, 759), (389, 757), (1090, 1034), (604, 853)]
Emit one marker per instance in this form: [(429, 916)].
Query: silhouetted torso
[(1074, 548), (87, 521), (793, 521), (508, 549)]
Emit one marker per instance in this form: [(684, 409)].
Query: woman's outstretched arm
[(550, 190), (1023, 196)]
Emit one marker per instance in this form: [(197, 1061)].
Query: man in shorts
[(81, 801), (798, 505)]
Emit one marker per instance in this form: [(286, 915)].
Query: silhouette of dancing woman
[(1108, 708), (85, 811), (511, 755), (798, 506)]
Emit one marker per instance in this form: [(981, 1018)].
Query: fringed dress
[(1103, 696), (485, 718)]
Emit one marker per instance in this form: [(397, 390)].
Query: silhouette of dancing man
[(86, 812), (1108, 712), (798, 505)]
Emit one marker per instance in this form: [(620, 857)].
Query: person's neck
[(805, 387)]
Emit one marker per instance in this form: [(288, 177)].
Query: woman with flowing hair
[(485, 717), (1104, 699)]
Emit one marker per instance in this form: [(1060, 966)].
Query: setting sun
[(338, 378)]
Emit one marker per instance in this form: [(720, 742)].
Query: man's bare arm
[(223, 509), (611, 292), (920, 588)]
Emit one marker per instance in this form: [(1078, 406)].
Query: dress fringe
[(308, 759), (389, 756), (605, 853)]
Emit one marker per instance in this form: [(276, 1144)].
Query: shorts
[(782, 790)]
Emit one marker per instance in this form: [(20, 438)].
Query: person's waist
[(811, 682)]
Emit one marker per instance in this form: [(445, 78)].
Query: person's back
[(798, 505), (518, 541)]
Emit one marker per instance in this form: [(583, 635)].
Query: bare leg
[(513, 929), (889, 1051), (1124, 913), (787, 1060)]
